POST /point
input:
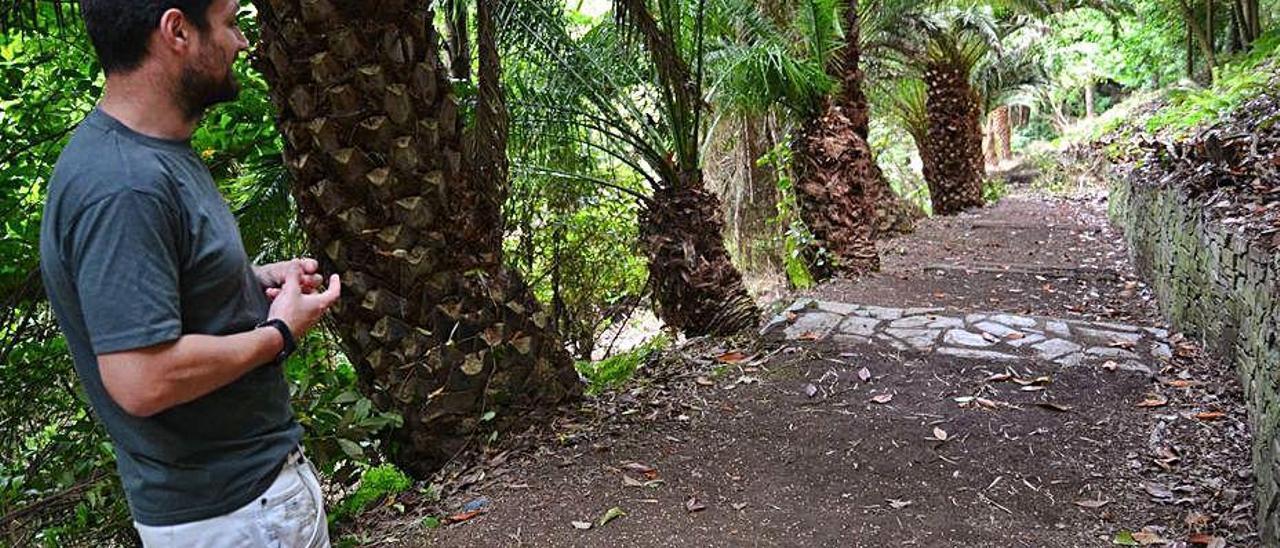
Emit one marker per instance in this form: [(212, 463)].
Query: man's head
[(190, 43)]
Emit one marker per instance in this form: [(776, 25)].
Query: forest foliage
[(587, 133)]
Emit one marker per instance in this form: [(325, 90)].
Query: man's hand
[(272, 276), (298, 308)]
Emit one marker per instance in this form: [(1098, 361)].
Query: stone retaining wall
[(1216, 286)]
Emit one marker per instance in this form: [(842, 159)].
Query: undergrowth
[(616, 370)]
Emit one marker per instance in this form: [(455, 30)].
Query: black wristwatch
[(289, 344)]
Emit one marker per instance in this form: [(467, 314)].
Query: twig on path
[(994, 503)]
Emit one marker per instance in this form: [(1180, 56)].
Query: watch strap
[(289, 343)]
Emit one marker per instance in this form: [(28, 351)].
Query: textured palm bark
[(833, 168), (1001, 133), (395, 198), (697, 288), (952, 152), (755, 204)]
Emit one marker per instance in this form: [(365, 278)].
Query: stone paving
[(984, 336)]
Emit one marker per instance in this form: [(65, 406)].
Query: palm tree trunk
[(1002, 130), (757, 202), (408, 209), (697, 288), (952, 157), (833, 168)]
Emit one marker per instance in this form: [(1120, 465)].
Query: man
[(177, 338)]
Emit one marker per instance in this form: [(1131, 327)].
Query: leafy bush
[(376, 484), (1236, 82), (615, 370)]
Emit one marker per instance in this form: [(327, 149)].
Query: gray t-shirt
[(138, 248)]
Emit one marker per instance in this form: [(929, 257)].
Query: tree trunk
[(892, 214), (833, 168), (1089, 110), (756, 202), (697, 288), (952, 155), (409, 211), (1002, 132)]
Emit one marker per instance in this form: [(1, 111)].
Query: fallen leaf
[(1127, 345), (808, 336), (898, 504), (629, 481), (739, 505), (999, 377), (964, 400), (810, 390), (703, 381), (1154, 400), (1124, 538), (583, 525), (464, 516), (1032, 388), (1210, 415), (733, 357), (882, 398), (989, 337), (692, 505), (1054, 406), (1156, 490), (864, 374), (1147, 538), (1196, 520), (1014, 336), (939, 434), (1181, 383), (638, 467), (610, 515), (1092, 504)]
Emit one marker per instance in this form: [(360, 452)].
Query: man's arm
[(149, 380)]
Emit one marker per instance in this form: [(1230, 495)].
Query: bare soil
[(783, 444)]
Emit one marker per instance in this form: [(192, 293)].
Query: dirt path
[(992, 399)]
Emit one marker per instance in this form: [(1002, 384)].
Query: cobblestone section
[(993, 337), (1216, 285)]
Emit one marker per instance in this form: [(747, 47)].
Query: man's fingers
[(273, 292), (293, 278), (309, 266), (332, 292)]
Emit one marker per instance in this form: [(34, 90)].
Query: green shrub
[(376, 484), (618, 369)]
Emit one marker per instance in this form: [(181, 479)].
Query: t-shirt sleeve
[(124, 254)]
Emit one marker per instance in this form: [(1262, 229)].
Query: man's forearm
[(183, 370)]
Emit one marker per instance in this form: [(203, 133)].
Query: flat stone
[(1137, 366), (893, 342), (1029, 339), (843, 309), (1162, 351), (960, 337), (858, 325), (818, 323), (1053, 348), (912, 322), (977, 354), (849, 340), (1106, 336), (1057, 329), (775, 323), (1117, 326), (918, 310), (920, 339), (1014, 320), (974, 318), (1070, 360), (880, 312), (1158, 333), (1109, 352), (996, 329), (943, 322)]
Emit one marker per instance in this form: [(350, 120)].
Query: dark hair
[(120, 29)]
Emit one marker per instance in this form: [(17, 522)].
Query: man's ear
[(175, 31)]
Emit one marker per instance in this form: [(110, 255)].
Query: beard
[(200, 89)]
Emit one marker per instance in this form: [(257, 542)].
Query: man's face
[(207, 77)]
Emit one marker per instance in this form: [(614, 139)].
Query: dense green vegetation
[(610, 121)]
